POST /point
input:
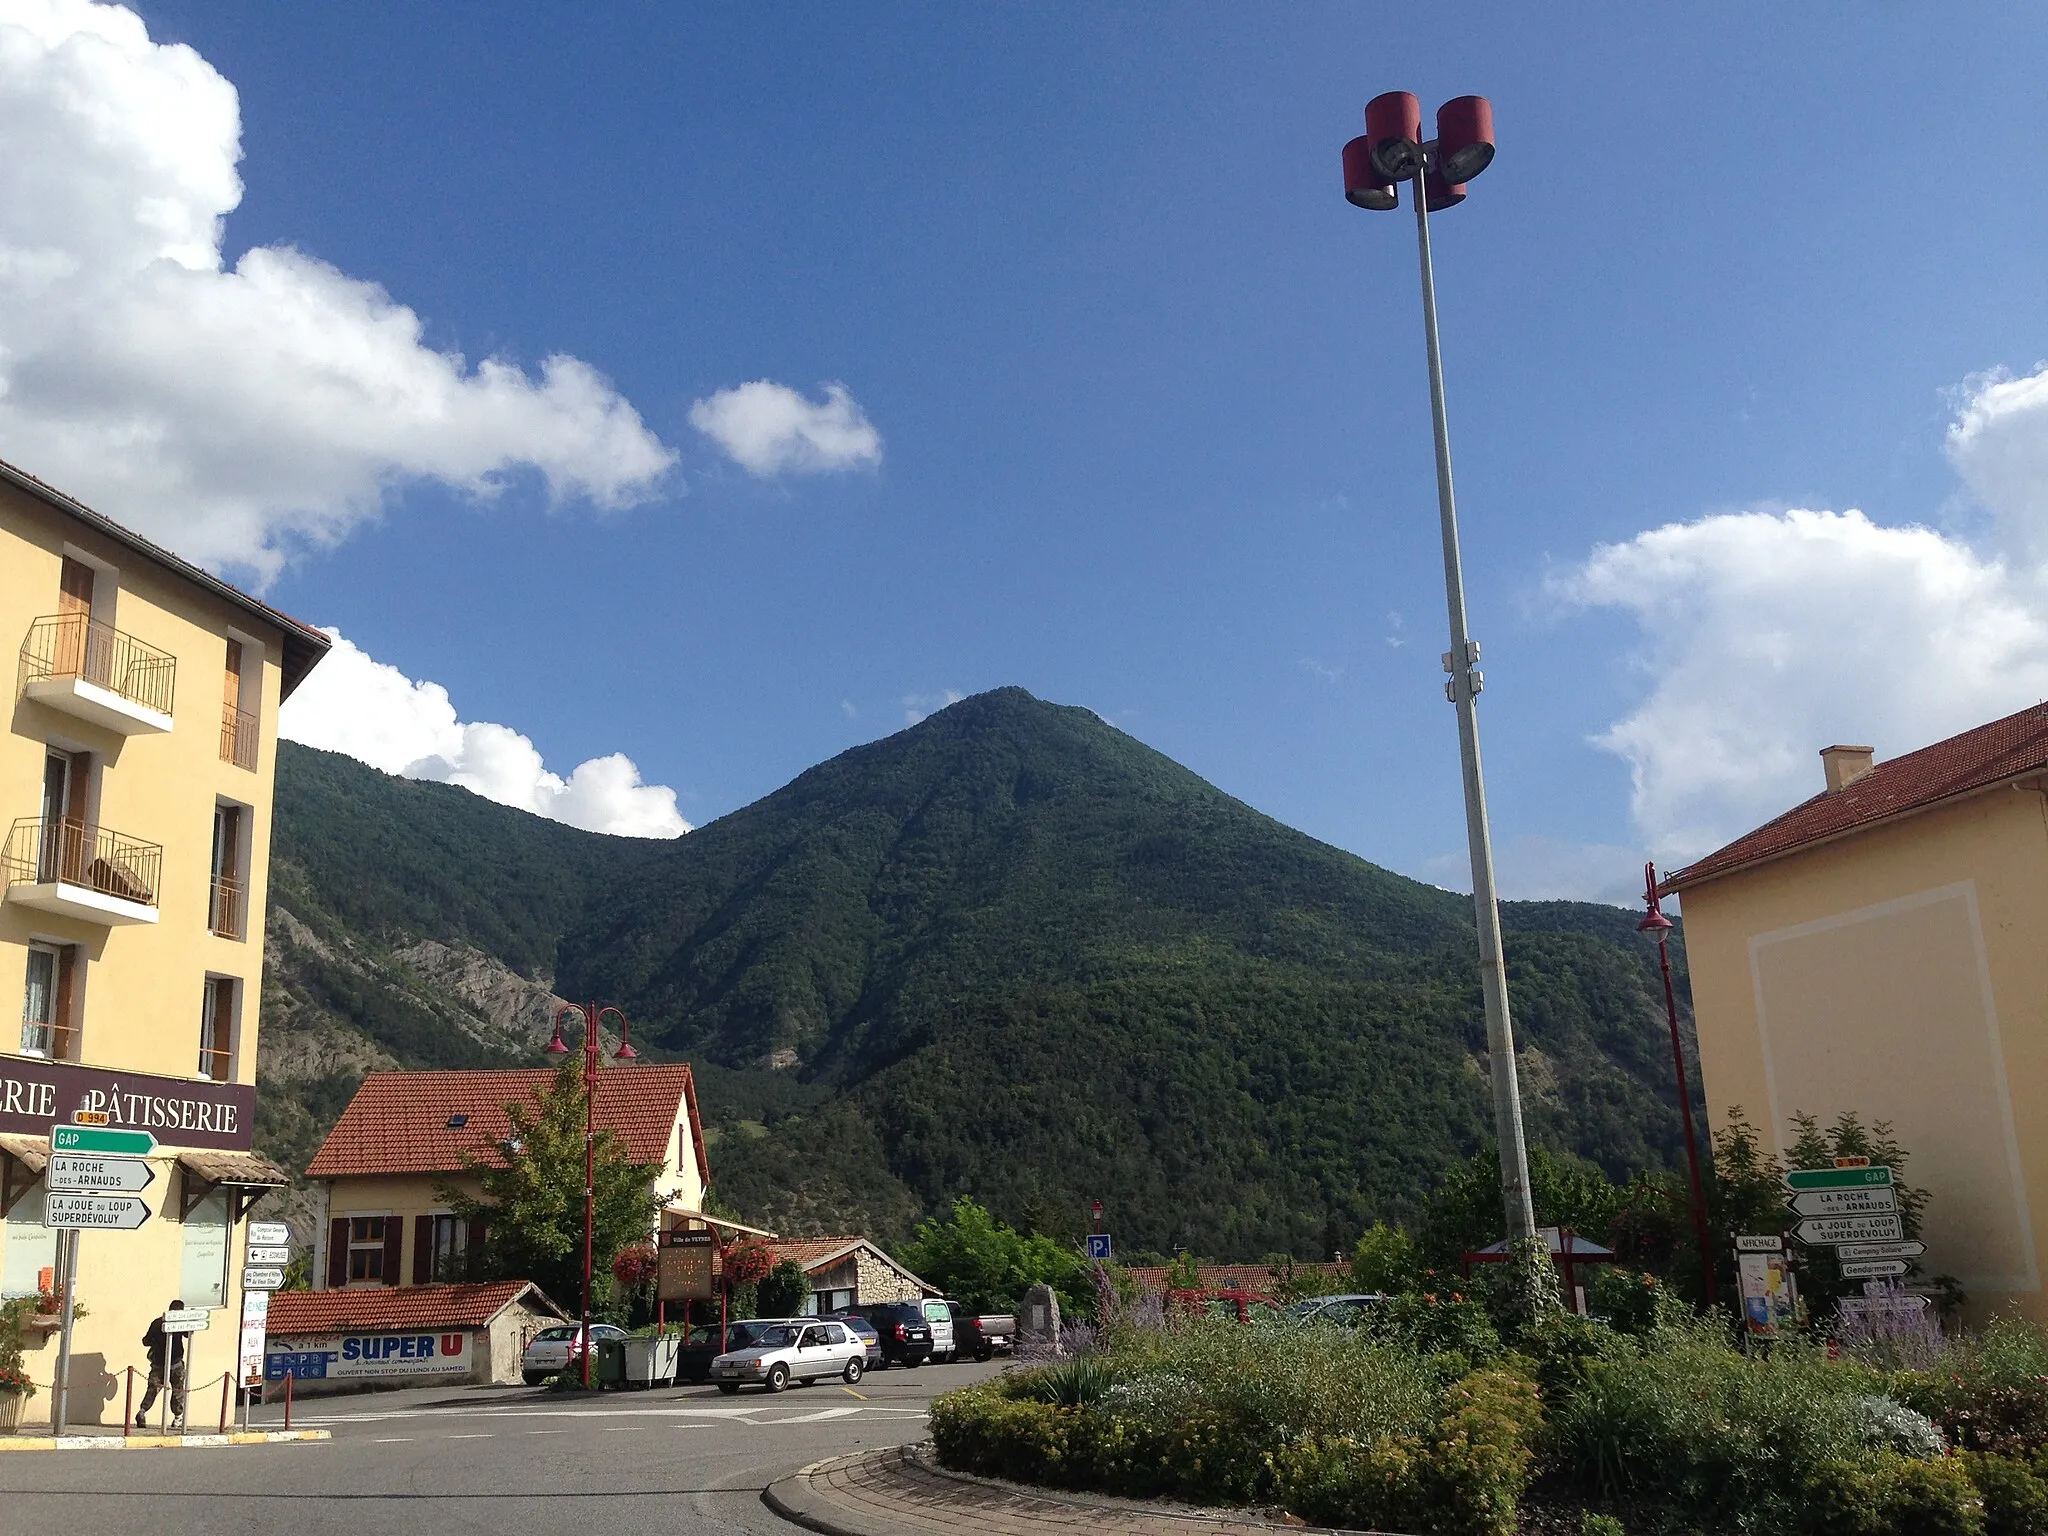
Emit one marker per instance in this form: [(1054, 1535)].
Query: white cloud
[(375, 713), (770, 429), (916, 706), (231, 413), (1768, 635), (1534, 868)]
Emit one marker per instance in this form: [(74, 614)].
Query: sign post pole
[(67, 1269)]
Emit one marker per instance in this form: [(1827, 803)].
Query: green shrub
[(1591, 1524), (1892, 1495), (1563, 1348), (1438, 1323), (986, 1431), (1629, 1300), (1990, 1392), (1070, 1384), (782, 1291), (2015, 1497)]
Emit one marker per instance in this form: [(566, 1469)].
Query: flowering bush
[(15, 1383), (1988, 1392), (14, 1316), (748, 1265), (634, 1266)]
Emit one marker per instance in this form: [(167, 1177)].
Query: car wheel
[(913, 1364), (778, 1377), (851, 1374), (729, 1388), (984, 1354)]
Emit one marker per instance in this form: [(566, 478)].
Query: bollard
[(225, 1378), (128, 1406), (287, 1399)]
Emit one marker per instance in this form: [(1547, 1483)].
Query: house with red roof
[(847, 1272), (408, 1135), (1881, 949), (404, 1336)]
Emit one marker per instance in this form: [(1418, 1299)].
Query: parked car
[(703, 1345), (804, 1351), (906, 1337), (1345, 1311), (984, 1335), (555, 1350), (865, 1332), (938, 1316), (1242, 1306)]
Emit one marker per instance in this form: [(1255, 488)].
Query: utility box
[(651, 1360), (611, 1362)]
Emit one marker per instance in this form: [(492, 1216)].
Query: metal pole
[(60, 1389), (1692, 1151), (589, 1169), (1462, 663), (128, 1405)]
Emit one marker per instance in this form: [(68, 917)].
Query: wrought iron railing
[(42, 852), (228, 911), (66, 645), (238, 736)]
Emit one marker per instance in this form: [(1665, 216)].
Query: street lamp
[(1658, 926), (1392, 151), (593, 1058)]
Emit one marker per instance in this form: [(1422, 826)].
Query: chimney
[(1845, 765)]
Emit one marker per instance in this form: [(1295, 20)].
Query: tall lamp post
[(1658, 926), (1392, 151), (593, 1058)]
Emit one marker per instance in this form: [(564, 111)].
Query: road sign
[(1911, 1250), (1768, 1243), (262, 1279), (269, 1233), (98, 1213), (186, 1320), (1099, 1247), (1828, 1230), (70, 1173), (266, 1255), (1845, 1202), (105, 1141), (1837, 1178), (91, 1117), (255, 1325), (1873, 1269)]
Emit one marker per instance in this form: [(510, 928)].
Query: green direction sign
[(104, 1140), (1837, 1178)]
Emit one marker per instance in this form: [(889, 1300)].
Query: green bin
[(611, 1362)]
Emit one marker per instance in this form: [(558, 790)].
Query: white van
[(945, 1349)]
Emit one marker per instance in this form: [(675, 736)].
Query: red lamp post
[(593, 1058), (1658, 926), (1391, 151)]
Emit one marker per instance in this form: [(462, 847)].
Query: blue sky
[(1149, 396)]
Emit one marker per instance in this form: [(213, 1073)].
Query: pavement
[(507, 1461)]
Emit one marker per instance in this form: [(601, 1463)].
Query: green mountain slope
[(1009, 952)]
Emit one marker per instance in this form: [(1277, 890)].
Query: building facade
[(847, 1272), (409, 1336), (135, 798), (1879, 950), (408, 1136)]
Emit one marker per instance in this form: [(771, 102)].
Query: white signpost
[(1874, 1269), (1828, 1231), (92, 1180), (97, 1213), (262, 1279), (1845, 1202), (255, 1329), (186, 1319), (1911, 1250), (256, 1255), (269, 1234), (73, 1173)]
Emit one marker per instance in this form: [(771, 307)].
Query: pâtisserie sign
[(181, 1112)]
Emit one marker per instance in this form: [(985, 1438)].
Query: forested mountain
[(1009, 952)]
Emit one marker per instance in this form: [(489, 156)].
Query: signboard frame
[(689, 1264)]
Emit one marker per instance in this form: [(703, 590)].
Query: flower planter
[(11, 1404)]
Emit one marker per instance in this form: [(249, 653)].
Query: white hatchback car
[(798, 1351)]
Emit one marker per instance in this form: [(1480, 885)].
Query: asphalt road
[(495, 1461)]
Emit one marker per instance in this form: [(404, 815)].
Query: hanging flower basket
[(634, 1267), (743, 1266)]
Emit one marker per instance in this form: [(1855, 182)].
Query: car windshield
[(775, 1338), (554, 1335)]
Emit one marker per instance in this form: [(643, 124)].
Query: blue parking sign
[(1098, 1246)]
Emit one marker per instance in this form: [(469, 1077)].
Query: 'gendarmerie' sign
[(182, 1112)]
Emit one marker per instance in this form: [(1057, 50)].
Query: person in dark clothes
[(166, 1369)]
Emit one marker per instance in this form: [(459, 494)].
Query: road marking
[(393, 1440), (545, 1431), (851, 1393), (484, 1436), (814, 1418)]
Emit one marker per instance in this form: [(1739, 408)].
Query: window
[(49, 1002), (203, 1279), (366, 1248), (450, 1247), (228, 912), (217, 1029), (237, 724)]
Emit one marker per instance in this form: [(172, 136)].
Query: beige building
[(847, 1272), (407, 1134), (135, 794), (1880, 949)]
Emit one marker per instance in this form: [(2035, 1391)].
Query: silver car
[(786, 1352)]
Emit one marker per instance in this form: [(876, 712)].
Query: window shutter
[(394, 1248), (337, 1253), (473, 1253), (422, 1250)]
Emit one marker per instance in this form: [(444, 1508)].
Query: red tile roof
[(815, 1253), (381, 1308), (398, 1121), (1978, 759)]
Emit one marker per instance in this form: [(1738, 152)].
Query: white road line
[(485, 1436), (393, 1440)]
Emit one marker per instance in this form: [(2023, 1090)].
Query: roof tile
[(378, 1308)]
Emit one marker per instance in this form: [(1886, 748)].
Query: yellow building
[(135, 795), (1880, 949), (407, 1134)]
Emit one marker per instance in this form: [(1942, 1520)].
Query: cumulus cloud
[(375, 713), (916, 706), (769, 429), (231, 413), (1768, 635)]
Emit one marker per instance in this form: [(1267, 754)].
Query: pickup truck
[(982, 1336)]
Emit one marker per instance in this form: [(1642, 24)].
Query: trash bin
[(611, 1362), (652, 1360)]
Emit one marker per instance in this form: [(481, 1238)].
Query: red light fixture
[(556, 1045), (1392, 150), (1438, 193), (1393, 129), (1464, 138), (1364, 186)]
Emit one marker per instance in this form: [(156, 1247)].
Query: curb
[(792, 1498), (157, 1442)]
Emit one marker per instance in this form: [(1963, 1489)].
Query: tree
[(782, 1291), (1383, 1261), (531, 1202), (989, 1266), (1464, 1211), (1184, 1273)]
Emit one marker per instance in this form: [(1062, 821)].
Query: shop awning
[(246, 1177), (22, 1161)]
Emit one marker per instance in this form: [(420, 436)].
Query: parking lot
[(502, 1460)]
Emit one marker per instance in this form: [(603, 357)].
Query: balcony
[(227, 912), (77, 870), (238, 737), (93, 671)]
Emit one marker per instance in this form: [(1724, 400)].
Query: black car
[(906, 1337)]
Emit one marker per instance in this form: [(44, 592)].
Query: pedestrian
[(166, 1369)]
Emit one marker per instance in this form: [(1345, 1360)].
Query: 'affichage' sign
[(180, 1112)]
